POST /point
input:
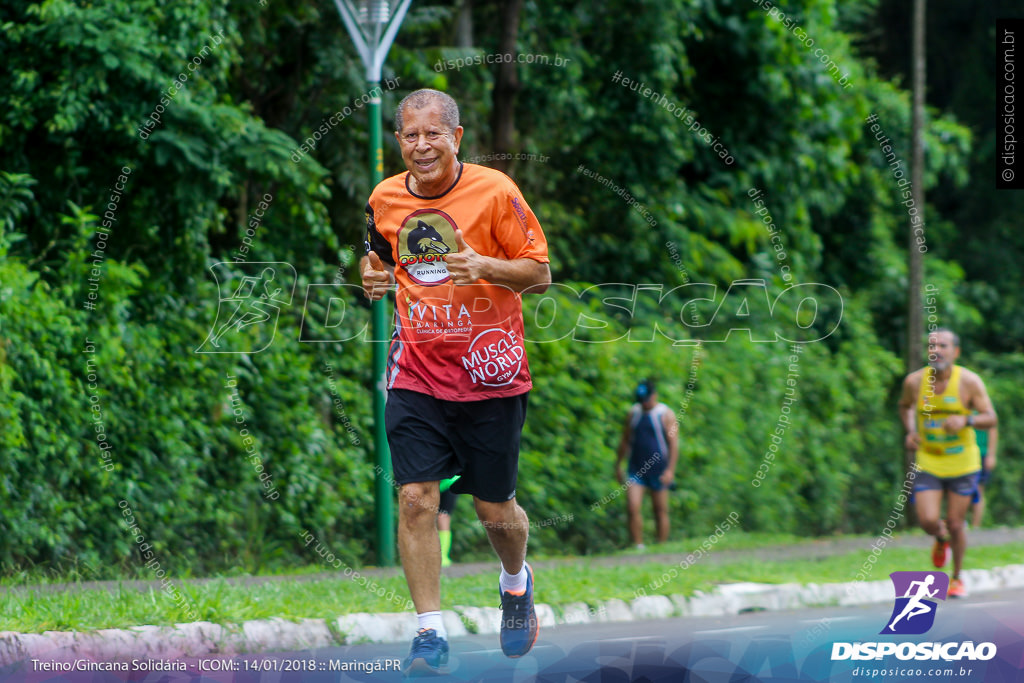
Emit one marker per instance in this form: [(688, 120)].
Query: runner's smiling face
[(429, 149)]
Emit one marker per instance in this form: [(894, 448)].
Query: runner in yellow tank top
[(943, 453), (935, 408)]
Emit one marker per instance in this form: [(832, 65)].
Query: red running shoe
[(957, 589), (940, 553)]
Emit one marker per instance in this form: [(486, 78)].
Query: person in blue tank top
[(988, 443), (650, 437)]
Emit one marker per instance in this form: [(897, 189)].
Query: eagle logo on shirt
[(423, 240)]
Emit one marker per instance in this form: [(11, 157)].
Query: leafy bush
[(102, 412), (178, 455)]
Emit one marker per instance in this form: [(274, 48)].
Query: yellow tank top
[(940, 453)]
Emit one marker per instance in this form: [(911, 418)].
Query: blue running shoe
[(429, 654), (519, 625)]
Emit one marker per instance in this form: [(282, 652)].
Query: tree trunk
[(506, 85), (915, 270), (464, 25), (915, 317)]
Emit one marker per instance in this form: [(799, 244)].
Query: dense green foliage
[(628, 193), (962, 82)]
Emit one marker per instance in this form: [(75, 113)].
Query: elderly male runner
[(462, 245), (935, 408)]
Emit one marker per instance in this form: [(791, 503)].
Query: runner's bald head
[(425, 97)]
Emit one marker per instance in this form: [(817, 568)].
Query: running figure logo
[(914, 612), (247, 304)]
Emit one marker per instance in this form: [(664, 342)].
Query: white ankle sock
[(432, 620), (513, 583)]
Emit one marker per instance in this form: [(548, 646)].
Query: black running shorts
[(447, 504), (432, 439), (965, 485)]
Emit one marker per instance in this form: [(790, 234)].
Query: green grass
[(584, 582), (38, 608), (735, 540), (220, 601)]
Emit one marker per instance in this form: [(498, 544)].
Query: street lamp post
[(373, 26)]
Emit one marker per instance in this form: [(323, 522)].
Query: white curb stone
[(453, 624), (713, 604), (545, 615), (681, 604), (616, 610), (377, 628), (577, 613), (652, 607), (280, 634), (1012, 576), (751, 596), (484, 619)]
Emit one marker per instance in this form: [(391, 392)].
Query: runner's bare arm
[(623, 450), (975, 398), (980, 401), (908, 410), (519, 275), (993, 445), (467, 267), (671, 425)]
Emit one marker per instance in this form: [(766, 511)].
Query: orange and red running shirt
[(454, 342)]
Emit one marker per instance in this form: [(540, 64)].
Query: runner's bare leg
[(507, 528), (418, 543)]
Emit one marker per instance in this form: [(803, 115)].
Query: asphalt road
[(795, 645), (762, 646)]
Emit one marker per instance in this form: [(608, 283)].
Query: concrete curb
[(208, 640), (181, 641)]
